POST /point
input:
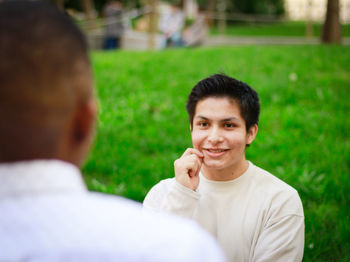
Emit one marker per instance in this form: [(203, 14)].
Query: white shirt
[(255, 217), (47, 214), (172, 22)]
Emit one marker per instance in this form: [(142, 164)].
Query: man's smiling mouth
[(214, 152)]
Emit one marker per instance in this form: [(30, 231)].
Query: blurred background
[(147, 55), (143, 24)]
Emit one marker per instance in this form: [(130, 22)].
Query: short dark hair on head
[(37, 36), (40, 48), (220, 85), (44, 73)]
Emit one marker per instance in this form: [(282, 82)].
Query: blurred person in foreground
[(254, 215), (47, 112)]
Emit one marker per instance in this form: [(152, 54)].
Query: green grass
[(276, 29), (303, 133)]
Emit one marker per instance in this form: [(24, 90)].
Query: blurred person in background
[(113, 13), (48, 113), (195, 34), (171, 24)]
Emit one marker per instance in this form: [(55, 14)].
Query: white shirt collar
[(39, 177)]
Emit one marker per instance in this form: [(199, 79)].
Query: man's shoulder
[(164, 185), (269, 182), (167, 181), (106, 224), (278, 193), (165, 236)]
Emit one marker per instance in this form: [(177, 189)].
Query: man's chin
[(216, 165)]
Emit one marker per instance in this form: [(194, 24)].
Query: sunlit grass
[(303, 133)]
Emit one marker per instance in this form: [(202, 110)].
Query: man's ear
[(84, 121), (252, 132), (79, 133)]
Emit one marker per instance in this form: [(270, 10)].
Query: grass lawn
[(303, 132), (275, 29)]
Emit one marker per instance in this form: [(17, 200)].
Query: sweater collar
[(226, 184)]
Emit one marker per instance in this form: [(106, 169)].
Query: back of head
[(44, 74), (220, 85)]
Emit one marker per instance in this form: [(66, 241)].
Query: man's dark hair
[(44, 68), (220, 85)]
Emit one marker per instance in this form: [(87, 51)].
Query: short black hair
[(33, 33), (44, 68), (220, 85)]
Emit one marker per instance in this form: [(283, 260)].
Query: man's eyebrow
[(202, 117), (222, 120), (229, 119)]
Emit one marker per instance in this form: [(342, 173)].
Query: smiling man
[(254, 215)]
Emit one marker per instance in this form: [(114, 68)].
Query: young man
[(254, 215), (47, 112)]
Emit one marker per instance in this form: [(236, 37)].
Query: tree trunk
[(211, 12), (221, 6), (60, 4), (88, 7), (152, 24), (309, 26), (331, 32)]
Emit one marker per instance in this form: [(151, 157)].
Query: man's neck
[(230, 173)]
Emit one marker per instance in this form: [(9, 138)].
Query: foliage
[(303, 133), (270, 7), (99, 4), (257, 7)]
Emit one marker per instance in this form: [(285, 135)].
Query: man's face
[(219, 132)]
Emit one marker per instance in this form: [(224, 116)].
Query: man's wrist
[(186, 190)]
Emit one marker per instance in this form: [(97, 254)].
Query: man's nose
[(215, 135)]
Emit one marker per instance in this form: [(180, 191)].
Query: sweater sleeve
[(172, 197), (282, 237)]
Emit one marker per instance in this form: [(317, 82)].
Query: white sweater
[(256, 217)]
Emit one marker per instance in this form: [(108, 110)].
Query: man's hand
[(187, 168)]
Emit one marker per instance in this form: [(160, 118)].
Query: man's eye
[(203, 124), (229, 125)]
